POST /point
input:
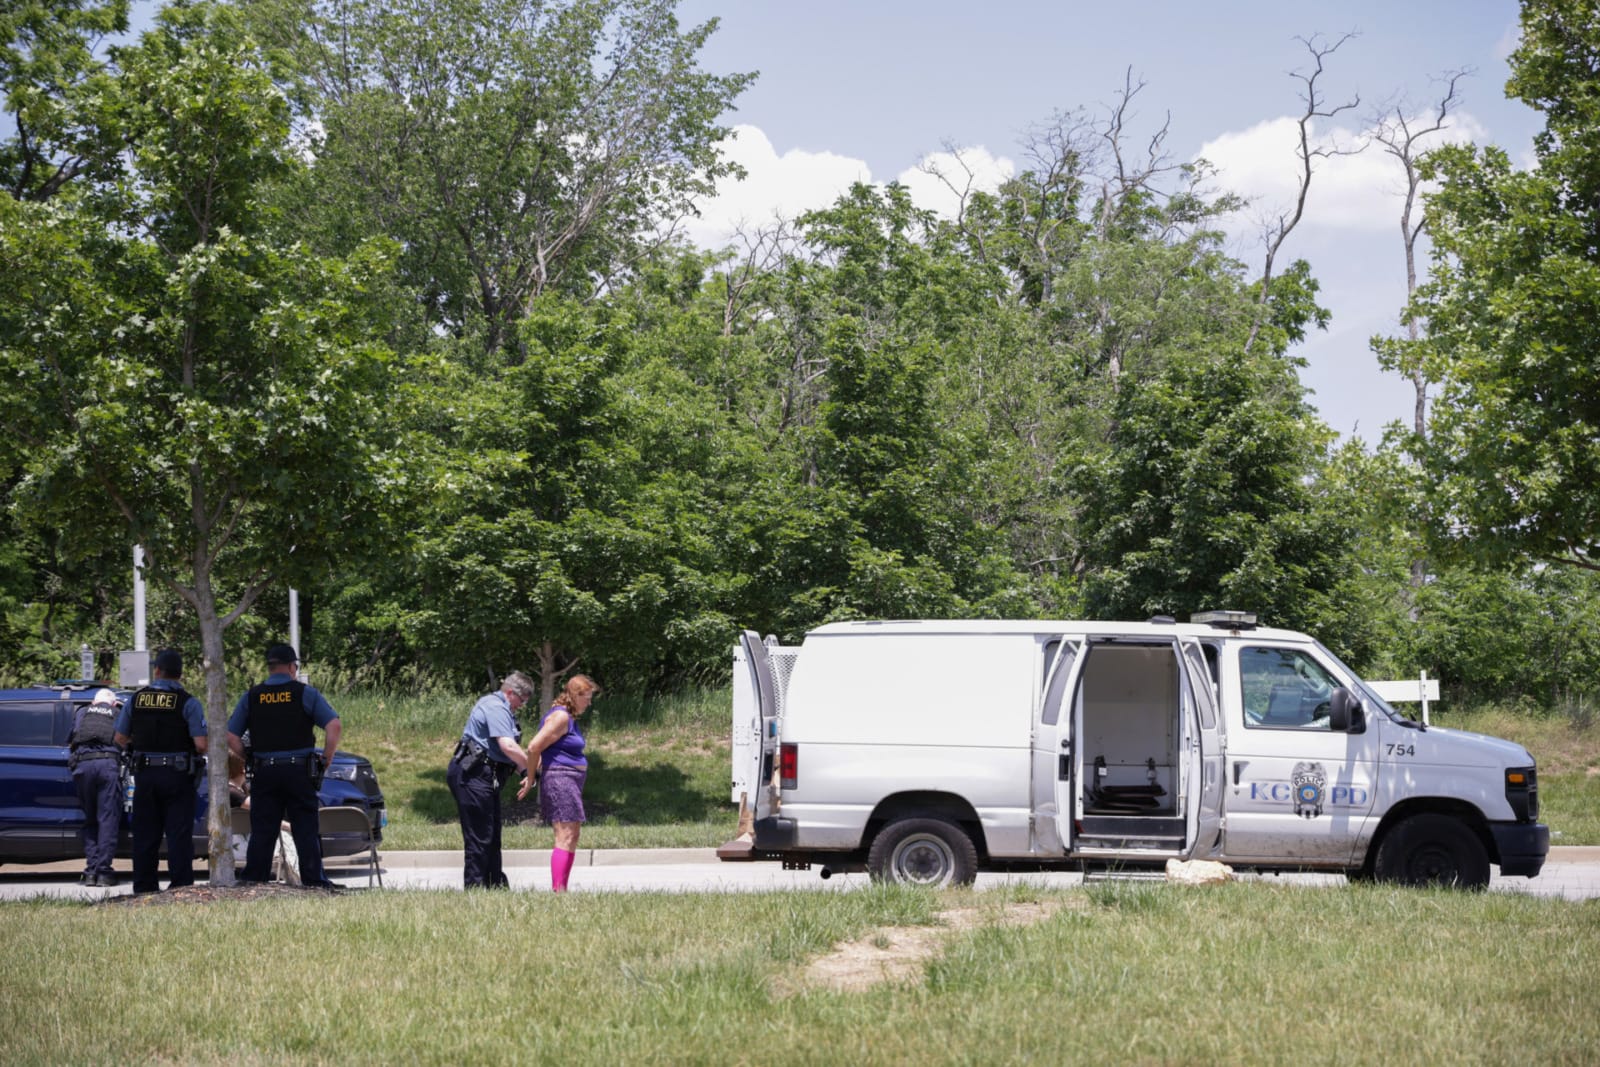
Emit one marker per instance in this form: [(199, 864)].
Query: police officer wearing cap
[(279, 715), (96, 763), (164, 728), (488, 751)]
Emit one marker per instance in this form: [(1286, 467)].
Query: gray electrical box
[(133, 669)]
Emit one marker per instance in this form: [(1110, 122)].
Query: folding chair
[(340, 825)]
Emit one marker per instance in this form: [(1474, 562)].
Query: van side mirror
[(1344, 712)]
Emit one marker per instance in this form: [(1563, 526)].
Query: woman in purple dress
[(559, 745)]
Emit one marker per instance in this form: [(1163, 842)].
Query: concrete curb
[(540, 857)]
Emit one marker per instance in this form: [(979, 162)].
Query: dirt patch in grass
[(898, 954), (207, 894)]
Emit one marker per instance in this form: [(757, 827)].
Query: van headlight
[(345, 772), (1522, 792)]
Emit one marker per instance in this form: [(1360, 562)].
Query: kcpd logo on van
[(1310, 784)]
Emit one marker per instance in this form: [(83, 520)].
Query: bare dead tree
[(962, 182), (1401, 135), (1129, 175), (1276, 231)]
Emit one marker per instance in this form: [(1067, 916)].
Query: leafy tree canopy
[(1513, 312)]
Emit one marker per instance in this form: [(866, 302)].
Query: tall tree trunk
[(219, 817)]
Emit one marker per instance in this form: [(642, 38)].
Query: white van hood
[(1465, 748)]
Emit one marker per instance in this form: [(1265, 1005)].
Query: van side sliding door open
[(1129, 749), (1053, 771), (1203, 760)]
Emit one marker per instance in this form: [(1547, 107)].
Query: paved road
[(1573, 873)]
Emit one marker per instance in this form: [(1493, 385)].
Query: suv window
[(27, 722)]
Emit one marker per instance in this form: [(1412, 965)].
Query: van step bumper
[(1522, 847), (775, 832)]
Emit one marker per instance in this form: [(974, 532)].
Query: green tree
[(513, 147), (171, 364), (48, 64), (1513, 313)]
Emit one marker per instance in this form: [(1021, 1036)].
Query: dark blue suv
[(40, 819)]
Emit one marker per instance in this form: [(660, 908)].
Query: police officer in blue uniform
[(279, 715), (164, 729), (96, 763), (488, 751)]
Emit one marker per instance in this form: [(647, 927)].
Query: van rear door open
[(756, 728)]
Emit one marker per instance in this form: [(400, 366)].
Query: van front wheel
[(923, 852), (1430, 850)]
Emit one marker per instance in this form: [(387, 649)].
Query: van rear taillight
[(788, 765)]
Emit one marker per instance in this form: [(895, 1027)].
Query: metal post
[(85, 662), (294, 622), (1424, 698), (138, 598)]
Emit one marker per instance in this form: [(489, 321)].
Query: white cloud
[(1508, 42), (774, 185), (798, 181), (939, 180), (1360, 192)]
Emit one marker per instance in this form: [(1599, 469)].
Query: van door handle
[(1238, 766)]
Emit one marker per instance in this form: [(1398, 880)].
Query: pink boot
[(560, 869)]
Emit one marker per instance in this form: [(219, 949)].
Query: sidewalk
[(396, 859)]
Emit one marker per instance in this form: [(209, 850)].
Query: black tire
[(923, 851), (1429, 850)]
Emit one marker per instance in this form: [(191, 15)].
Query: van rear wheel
[(923, 851), (1430, 849)]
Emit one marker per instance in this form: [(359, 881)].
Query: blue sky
[(868, 89)]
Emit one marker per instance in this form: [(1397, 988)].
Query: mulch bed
[(206, 894)]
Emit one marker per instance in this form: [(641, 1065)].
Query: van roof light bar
[(1226, 620)]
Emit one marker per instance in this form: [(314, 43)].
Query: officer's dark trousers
[(280, 792), (163, 806), (478, 801), (100, 793)]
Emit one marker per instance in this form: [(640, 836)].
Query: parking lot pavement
[(1572, 873)]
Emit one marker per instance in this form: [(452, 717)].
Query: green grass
[(660, 769), (1241, 973)]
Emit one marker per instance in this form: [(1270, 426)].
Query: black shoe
[(105, 881), (85, 878)]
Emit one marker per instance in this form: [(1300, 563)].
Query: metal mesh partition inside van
[(783, 660)]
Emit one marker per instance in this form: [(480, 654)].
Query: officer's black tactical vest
[(95, 729), (277, 718), (157, 721)]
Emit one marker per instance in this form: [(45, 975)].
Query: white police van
[(923, 751)]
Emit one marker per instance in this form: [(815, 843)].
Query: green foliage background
[(533, 430)]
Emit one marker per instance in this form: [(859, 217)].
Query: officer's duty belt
[(180, 761), (281, 761)]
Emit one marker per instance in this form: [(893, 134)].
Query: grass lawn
[(1112, 973), (659, 769)]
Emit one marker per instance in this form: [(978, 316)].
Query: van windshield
[(1373, 700)]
